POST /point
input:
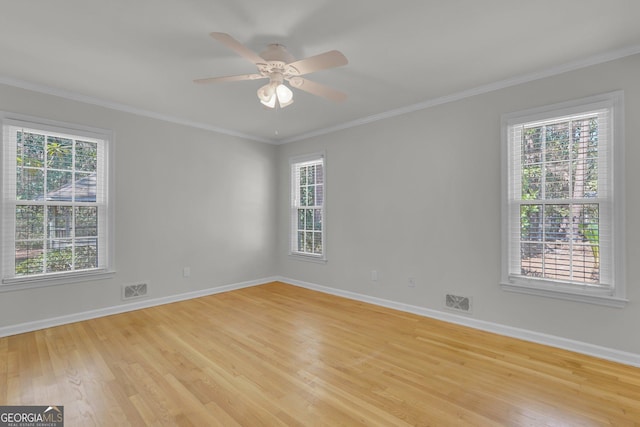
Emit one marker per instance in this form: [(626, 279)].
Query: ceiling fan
[(277, 65)]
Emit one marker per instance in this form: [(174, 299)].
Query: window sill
[(22, 283), (566, 294), (307, 258)]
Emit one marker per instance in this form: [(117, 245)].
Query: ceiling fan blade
[(231, 78), (238, 47), (317, 89), (322, 61)]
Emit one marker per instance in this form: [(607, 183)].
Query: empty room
[(319, 213)]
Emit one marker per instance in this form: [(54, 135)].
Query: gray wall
[(418, 196), (184, 197)]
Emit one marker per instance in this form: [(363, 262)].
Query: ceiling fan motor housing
[(277, 59), (277, 52)]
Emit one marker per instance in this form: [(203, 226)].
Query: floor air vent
[(134, 291), (458, 303)]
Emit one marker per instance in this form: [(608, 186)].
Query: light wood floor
[(280, 355)]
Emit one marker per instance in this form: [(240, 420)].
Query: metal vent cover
[(458, 303), (135, 290)]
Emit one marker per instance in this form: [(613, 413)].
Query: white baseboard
[(626, 358), (107, 311)]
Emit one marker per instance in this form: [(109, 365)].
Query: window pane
[(85, 187), (557, 223), (29, 184), (86, 156), (569, 247), (557, 262), (585, 153), (585, 130), (59, 153), (591, 186), (308, 242), (317, 243), (311, 172), (29, 222), (59, 255), (311, 199), (589, 228), (531, 182), (319, 174), (86, 221), (303, 196), (86, 254), (531, 222), (301, 241), (319, 195), (317, 219), (60, 222), (585, 268), (308, 223), (557, 184), (59, 185), (531, 259), (29, 258), (303, 175), (301, 217), (30, 150), (557, 140), (532, 146), (532, 150), (557, 156)]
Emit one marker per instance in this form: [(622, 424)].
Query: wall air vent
[(136, 290), (458, 303)]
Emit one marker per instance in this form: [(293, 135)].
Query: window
[(56, 215), (307, 207), (562, 199)]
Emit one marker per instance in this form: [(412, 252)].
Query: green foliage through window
[(308, 178), (56, 217), (558, 225)]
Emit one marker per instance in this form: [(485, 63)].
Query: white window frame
[(614, 294), (8, 280), (294, 203)]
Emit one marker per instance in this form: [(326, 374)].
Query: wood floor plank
[(278, 355)]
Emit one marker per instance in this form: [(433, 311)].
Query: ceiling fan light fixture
[(275, 91), (285, 95), (266, 92), (271, 102)]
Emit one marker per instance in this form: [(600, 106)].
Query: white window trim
[(59, 278), (320, 259), (617, 297)]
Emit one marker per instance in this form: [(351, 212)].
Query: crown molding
[(74, 96), (429, 103), (491, 87)]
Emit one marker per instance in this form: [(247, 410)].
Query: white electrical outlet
[(186, 272), (412, 282), (374, 276)]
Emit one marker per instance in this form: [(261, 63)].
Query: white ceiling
[(142, 55)]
